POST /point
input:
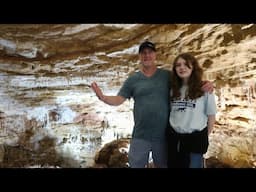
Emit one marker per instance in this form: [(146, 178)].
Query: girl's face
[(183, 69)]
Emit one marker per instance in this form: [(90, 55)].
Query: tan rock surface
[(46, 71)]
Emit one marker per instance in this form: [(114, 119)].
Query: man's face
[(147, 57)]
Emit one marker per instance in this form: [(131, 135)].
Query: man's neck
[(148, 71)]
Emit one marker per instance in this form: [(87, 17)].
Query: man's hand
[(98, 91), (110, 100), (207, 86)]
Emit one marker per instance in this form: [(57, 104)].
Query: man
[(149, 87)]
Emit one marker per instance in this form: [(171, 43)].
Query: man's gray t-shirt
[(151, 103)]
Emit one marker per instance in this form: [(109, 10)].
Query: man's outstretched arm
[(110, 100)]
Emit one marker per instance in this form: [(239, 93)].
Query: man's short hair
[(147, 44)]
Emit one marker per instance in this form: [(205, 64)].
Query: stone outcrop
[(113, 155)]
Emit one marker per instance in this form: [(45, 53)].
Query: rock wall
[(46, 70)]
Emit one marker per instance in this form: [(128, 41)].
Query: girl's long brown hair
[(195, 80)]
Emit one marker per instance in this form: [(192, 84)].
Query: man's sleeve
[(126, 90)]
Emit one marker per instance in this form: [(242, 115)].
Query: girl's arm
[(211, 121)]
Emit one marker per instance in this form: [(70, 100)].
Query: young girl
[(192, 114)]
